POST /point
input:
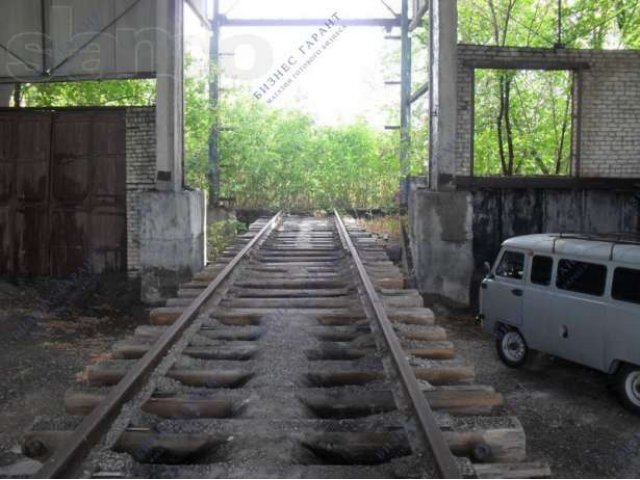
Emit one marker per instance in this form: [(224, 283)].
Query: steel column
[(387, 23), (214, 99), (405, 93)]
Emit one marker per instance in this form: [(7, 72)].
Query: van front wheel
[(628, 386), (512, 348)]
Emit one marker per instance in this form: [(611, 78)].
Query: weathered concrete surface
[(455, 233), (442, 242), (170, 95), (141, 175), (443, 93), (172, 241)]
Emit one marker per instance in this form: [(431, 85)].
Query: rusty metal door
[(25, 152), (62, 191)]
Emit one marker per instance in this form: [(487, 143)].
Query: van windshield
[(511, 265)]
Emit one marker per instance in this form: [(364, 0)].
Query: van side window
[(581, 277), (511, 265), (541, 270), (626, 285)]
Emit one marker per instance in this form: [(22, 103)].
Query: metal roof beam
[(419, 93), (387, 23), (419, 15), (206, 23)]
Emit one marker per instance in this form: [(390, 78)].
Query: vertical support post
[(17, 95), (214, 100), (560, 42), (170, 101), (6, 92), (443, 94), (405, 94), (45, 36)]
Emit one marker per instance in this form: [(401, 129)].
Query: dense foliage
[(220, 235), (522, 122), (112, 93), (282, 158), (585, 23)]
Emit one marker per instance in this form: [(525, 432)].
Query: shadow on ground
[(50, 330)]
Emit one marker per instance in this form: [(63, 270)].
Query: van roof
[(592, 247)]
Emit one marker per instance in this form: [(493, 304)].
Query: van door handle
[(517, 292)]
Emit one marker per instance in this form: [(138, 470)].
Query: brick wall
[(609, 113), (141, 168)]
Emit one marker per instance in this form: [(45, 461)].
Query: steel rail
[(93, 426), (445, 461)]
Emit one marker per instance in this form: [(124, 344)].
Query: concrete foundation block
[(442, 242), (172, 241)]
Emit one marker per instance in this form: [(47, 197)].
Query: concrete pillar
[(442, 243), (443, 92), (6, 92), (170, 101), (172, 219), (172, 239)]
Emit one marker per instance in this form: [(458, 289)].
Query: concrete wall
[(141, 175), (609, 112), (454, 233)]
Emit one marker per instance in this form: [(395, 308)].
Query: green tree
[(107, 93), (282, 158)]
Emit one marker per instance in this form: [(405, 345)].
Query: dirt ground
[(51, 329), (571, 418)]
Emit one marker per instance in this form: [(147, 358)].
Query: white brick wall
[(609, 110), (141, 173)]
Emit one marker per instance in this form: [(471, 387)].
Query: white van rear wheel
[(512, 348), (628, 386)]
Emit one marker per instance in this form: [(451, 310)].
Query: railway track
[(299, 354)]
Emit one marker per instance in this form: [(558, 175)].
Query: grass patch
[(222, 234), (389, 228)]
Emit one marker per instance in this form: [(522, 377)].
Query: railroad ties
[(280, 368)]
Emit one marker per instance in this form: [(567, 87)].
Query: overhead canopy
[(43, 40)]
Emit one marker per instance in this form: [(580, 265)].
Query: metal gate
[(62, 191)]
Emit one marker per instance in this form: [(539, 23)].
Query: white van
[(572, 296)]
